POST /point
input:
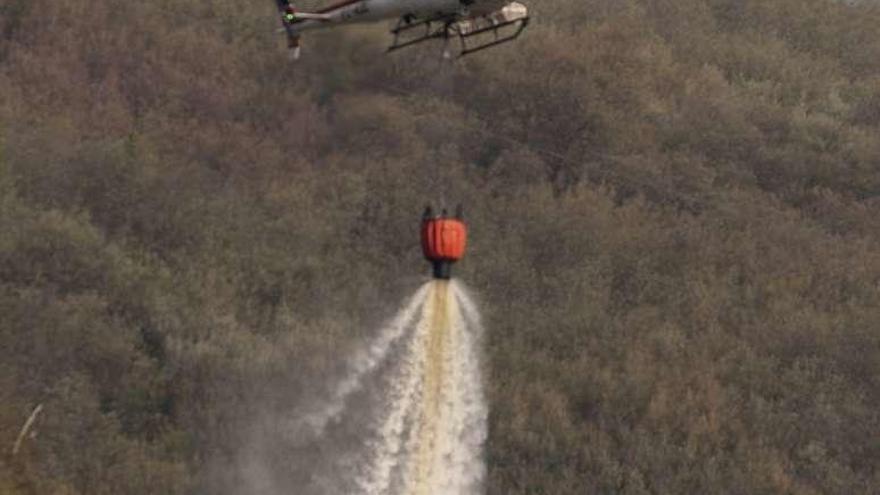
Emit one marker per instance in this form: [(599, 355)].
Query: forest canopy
[(674, 209)]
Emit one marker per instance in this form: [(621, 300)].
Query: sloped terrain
[(673, 205)]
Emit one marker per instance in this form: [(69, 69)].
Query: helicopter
[(477, 24)]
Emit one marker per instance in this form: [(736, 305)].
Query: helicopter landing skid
[(484, 32), (408, 33)]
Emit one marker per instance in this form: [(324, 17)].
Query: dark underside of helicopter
[(482, 27)]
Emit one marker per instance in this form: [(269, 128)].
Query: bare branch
[(24, 429)]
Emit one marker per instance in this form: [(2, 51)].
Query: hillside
[(674, 209)]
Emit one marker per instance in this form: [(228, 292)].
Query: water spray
[(409, 417)]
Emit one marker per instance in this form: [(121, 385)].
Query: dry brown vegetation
[(675, 209)]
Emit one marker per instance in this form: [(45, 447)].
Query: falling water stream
[(427, 436)]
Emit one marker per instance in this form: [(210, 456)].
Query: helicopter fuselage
[(355, 11), (476, 24)]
